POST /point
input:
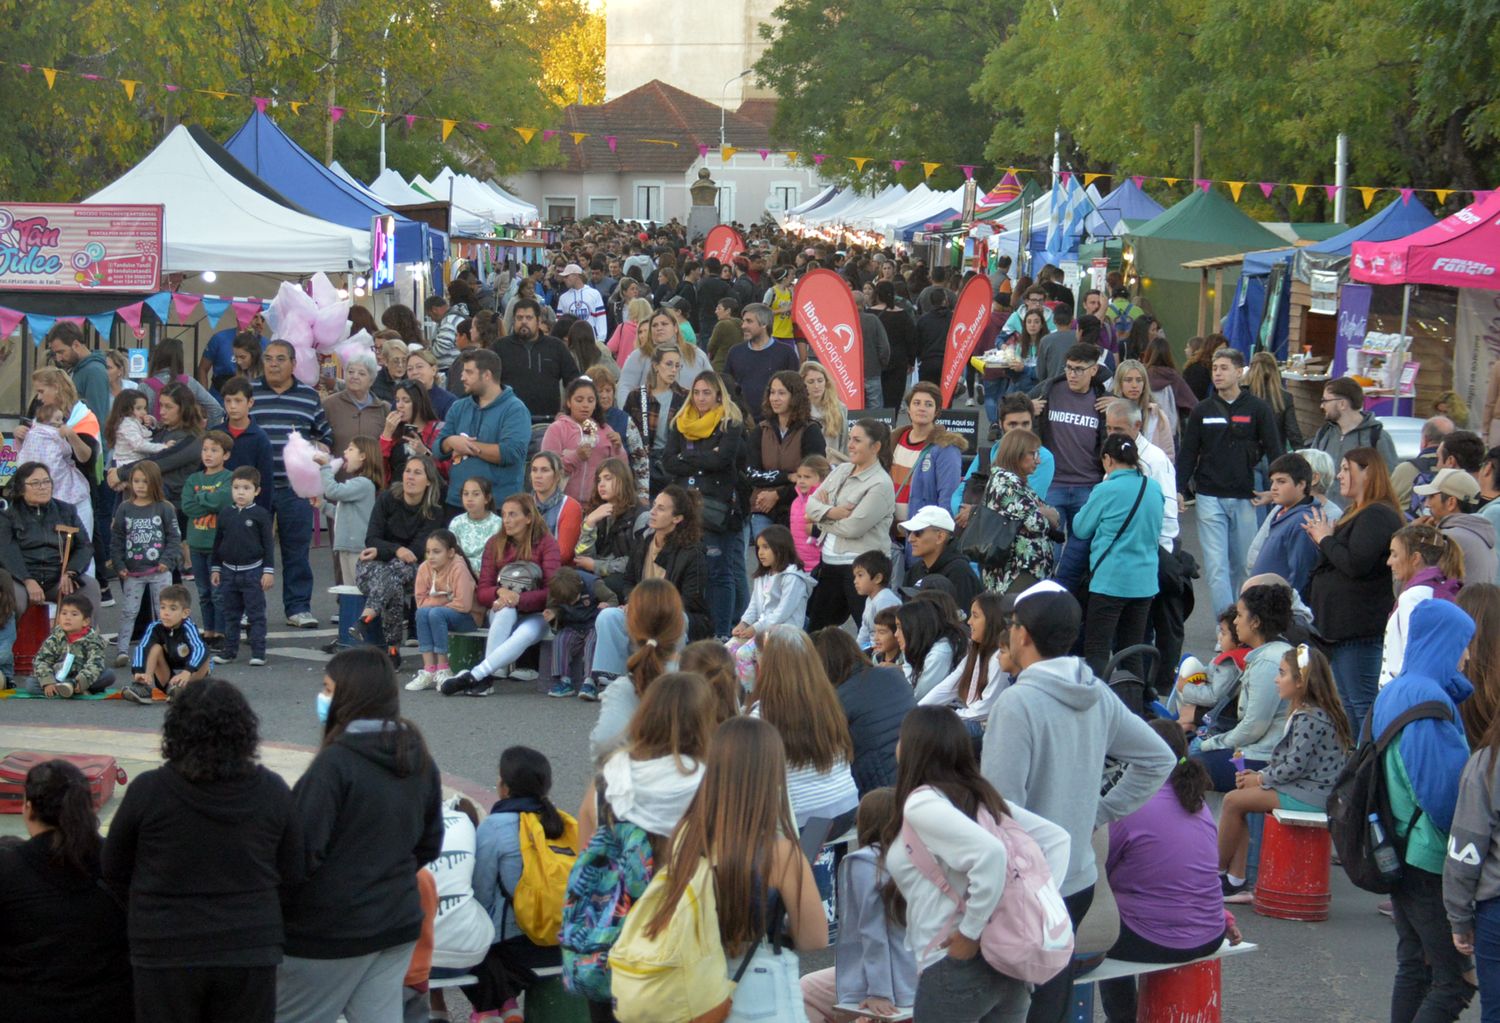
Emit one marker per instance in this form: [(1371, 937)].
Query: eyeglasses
[(1076, 371), (1329, 401), (39, 483)]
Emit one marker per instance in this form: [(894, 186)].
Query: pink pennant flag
[(1203, 183), (91, 78), (10, 319), (171, 88), (1139, 179), (131, 314), (482, 125), (612, 141), (549, 133), (1330, 191), (184, 304), (1405, 196), (1064, 177), (244, 311), (968, 169), (818, 159), (24, 67), (261, 102), (763, 153), (702, 149), (335, 113), (1267, 187), (1483, 194), (896, 165), (411, 119)]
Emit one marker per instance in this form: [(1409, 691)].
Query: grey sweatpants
[(365, 989), (969, 991)]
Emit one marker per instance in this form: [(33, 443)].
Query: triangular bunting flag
[(410, 119), (447, 128), (104, 323), (159, 304), (928, 168), (527, 134), (1267, 187), (1089, 179), (1172, 181), (92, 78), (214, 308), (726, 153), (10, 319), (130, 85), (791, 155), (1483, 194), (702, 150), (612, 141), (1441, 194), (184, 304), (1406, 196), (261, 102), (1203, 183), (859, 163), (968, 169), (548, 134), (660, 142), (49, 73), (335, 114), (245, 310), (578, 136), (172, 88), (1367, 194), (482, 125), (1300, 191), (896, 165), (818, 159), (763, 153), (131, 314), (1235, 188), (39, 325), (296, 106), (215, 95), (1065, 177), (1330, 191), (1139, 179)]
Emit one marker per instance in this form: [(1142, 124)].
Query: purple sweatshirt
[(1178, 908)]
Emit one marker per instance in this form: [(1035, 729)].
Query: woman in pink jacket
[(582, 439)]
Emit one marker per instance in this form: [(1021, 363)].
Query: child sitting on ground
[(445, 603), (1302, 768), (873, 967), (171, 653), (204, 495), (1199, 691), (778, 596), (242, 568), (146, 546), (572, 605), (872, 580), (885, 650), (810, 474), (70, 661)]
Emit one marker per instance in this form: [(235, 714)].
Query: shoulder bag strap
[(1129, 517), (1431, 709)]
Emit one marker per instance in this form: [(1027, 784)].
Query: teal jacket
[(1130, 568)]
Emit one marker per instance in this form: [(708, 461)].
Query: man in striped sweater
[(283, 407)]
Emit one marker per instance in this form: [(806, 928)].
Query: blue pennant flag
[(160, 304), (39, 325), (214, 308), (104, 323)]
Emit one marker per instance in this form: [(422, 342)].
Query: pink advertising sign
[(80, 247)]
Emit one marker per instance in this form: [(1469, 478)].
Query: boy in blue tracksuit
[(243, 566), (1283, 548), (1422, 765)]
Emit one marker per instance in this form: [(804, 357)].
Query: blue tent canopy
[(906, 231), (272, 155), (1126, 202)]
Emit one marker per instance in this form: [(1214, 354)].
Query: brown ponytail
[(654, 622), (1189, 779), (59, 797)]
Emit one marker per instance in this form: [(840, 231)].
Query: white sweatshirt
[(945, 693)]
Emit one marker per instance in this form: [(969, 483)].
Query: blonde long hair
[(1264, 381), (1117, 388), (647, 347), (831, 411)]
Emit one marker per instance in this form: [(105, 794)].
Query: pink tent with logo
[(1461, 251)]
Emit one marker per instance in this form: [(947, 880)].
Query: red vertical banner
[(723, 243), (823, 308), (970, 316)]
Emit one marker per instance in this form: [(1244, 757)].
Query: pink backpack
[(1029, 936)]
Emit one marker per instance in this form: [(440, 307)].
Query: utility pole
[(333, 59), (1197, 150), (1340, 178)]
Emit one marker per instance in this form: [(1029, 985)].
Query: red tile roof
[(653, 111), (761, 111)]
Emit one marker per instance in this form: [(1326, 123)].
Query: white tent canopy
[(221, 217), (338, 169), (808, 204), (877, 212), (850, 206), (391, 188), (532, 212), (471, 194)]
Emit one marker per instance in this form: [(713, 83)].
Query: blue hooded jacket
[(1433, 751)]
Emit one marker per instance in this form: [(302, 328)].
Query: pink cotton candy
[(302, 472)]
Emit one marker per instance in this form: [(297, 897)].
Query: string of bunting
[(162, 305), (446, 125)]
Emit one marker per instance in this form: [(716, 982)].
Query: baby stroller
[(1135, 691)]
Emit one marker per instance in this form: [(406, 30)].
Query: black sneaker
[(136, 692), (481, 687), (455, 684), (1235, 893)]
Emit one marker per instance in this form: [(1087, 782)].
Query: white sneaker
[(520, 674), (257, 662), (420, 681), (302, 620), (440, 676)]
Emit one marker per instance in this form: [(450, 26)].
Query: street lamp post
[(724, 102)]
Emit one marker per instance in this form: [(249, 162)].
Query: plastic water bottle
[(1386, 860)]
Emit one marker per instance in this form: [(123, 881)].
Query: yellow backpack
[(679, 976), (545, 865)]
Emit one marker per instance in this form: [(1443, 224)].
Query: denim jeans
[(969, 991), (1430, 986), (210, 605), (726, 566), (758, 524), (874, 398), (612, 642), (1071, 558), (1487, 958), (241, 595), (434, 624), (7, 648), (1356, 672), (1226, 525), (294, 528), (511, 635)]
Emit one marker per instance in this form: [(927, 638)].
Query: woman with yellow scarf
[(704, 450)]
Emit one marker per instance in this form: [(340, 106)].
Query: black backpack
[(1361, 790)]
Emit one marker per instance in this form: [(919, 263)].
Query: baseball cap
[(930, 517), (571, 269), (931, 581), (1452, 483), (1010, 600)]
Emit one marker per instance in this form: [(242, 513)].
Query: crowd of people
[(628, 473)]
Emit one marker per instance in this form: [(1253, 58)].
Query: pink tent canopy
[(1461, 251)]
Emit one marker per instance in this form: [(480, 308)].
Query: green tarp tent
[(1205, 224)]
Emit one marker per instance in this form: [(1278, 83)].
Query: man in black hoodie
[(537, 366), (931, 533), (711, 288), (1227, 434)]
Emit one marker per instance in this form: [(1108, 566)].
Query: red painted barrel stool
[(1294, 858)]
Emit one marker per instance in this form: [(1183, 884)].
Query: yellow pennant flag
[(1171, 181), (296, 105), (527, 134), (447, 128), (664, 142), (726, 153), (928, 168), (1235, 187), (1299, 191), (49, 73), (1367, 193), (1089, 179), (215, 95), (1442, 194), (578, 136), (859, 162), (130, 85), (791, 156)]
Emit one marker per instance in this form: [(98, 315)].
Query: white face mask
[(324, 702)]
